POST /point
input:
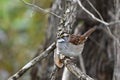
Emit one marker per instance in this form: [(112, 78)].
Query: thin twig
[(41, 9), (101, 21), (33, 62), (110, 33), (114, 22), (95, 10)]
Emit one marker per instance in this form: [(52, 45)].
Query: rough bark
[(116, 32)]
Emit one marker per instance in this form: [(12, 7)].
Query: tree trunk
[(116, 75)]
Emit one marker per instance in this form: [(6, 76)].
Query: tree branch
[(75, 70), (95, 10), (39, 8), (99, 20), (33, 62)]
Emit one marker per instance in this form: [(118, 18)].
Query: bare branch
[(33, 62), (99, 20), (114, 22), (41, 9), (75, 70), (54, 73), (111, 35), (95, 10)]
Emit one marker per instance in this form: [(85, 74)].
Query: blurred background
[(22, 31)]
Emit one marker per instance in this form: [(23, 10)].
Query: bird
[(70, 46), (79, 39)]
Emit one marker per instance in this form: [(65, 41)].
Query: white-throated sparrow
[(70, 46)]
